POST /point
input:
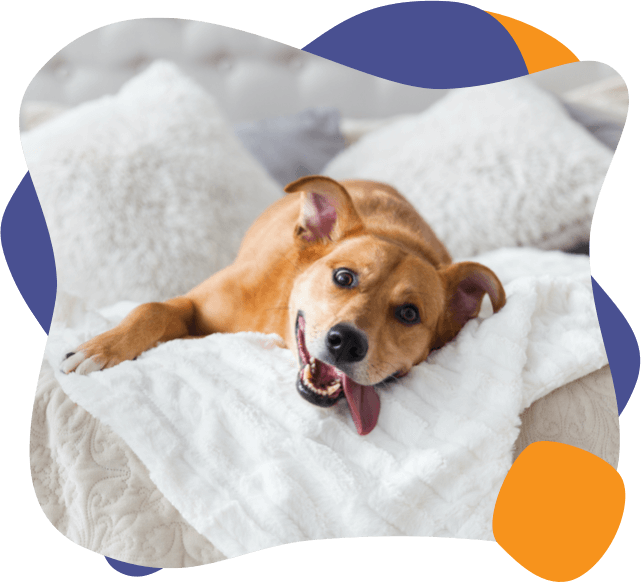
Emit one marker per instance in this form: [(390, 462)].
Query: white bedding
[(249, 464)]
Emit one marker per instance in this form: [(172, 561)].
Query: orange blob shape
[(558, 510), (540, 51)]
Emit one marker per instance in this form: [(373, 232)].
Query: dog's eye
[(407, 314), (344, 278)]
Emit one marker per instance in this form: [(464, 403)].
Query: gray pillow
[(602, 128), (294, 146), (598, 124)]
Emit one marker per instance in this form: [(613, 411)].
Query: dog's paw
[(81, 363), (104, 351)]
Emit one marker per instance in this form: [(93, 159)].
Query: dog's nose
[(346, 344)]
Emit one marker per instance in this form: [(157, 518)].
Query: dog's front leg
[(142, 329)]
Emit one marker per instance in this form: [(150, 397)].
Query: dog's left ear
[(465, 285), (327, 212)]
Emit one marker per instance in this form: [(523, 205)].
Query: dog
[(348, 274)]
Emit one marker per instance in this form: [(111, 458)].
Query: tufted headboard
[(250, 76)]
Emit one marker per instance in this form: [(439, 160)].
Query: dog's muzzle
[(323, 384)]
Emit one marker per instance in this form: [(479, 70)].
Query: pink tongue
[(364, 404)]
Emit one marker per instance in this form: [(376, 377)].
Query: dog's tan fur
[(285, 266)]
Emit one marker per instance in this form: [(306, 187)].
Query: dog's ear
[(465, 285), (327, 212)]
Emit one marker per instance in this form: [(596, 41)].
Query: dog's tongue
[(364, 404)]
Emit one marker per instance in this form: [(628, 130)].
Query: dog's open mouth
[(323, 385)]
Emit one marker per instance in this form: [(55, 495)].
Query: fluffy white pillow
[(493, 166), (145, 193)]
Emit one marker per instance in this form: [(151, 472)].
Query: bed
[(91, 485)]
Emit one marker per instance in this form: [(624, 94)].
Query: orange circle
[(558, 510)]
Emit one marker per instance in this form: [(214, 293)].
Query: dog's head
[(365, 308)]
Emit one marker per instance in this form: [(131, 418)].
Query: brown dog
[(348, 274)]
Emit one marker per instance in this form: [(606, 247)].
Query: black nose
[(346, 344)]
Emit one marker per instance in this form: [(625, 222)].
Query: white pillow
[(145, 193), (492, 166)]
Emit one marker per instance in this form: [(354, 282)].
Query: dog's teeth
[(333, 387), (308, 375), (309, 372), (307, 381)]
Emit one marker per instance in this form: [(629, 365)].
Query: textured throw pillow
[(294, 146), (493, 166), (145, 193)]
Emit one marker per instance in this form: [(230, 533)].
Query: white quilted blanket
[(250, 464)]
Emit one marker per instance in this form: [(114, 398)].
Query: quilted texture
[(488, 167), (146, 193), (249, 464), (95, 490)]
